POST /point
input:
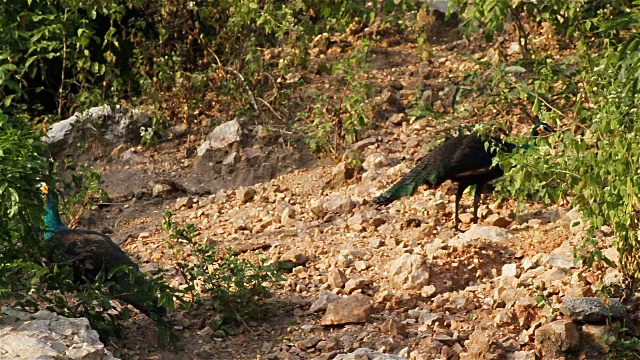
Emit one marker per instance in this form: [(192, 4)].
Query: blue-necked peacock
[(91, 252), (463, 159)]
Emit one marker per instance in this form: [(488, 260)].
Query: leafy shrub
[(596, 164), (236, 286), (341, 117), (23, 166)]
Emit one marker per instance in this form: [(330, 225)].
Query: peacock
[(463, 159), (91, 252)]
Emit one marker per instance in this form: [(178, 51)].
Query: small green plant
[(543, 301), (148, 137), (81, 192), (343, 117), (620, 345), (236, 286)]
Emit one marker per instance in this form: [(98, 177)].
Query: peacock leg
[(476, 200), (459, 192)]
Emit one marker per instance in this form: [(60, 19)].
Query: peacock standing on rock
[(463, 159), (91, 252)]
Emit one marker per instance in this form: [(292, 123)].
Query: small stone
[(294, 256), (144, 235), (376, 243), (329, 344), (309, 342), (444, 338), (246, 194), (524, 355), (428, 291), (337, 278), (360, 265), (207, 331), (339, 204), (377, 221), (409, 272), (356, 284), (355, 222), (498, 221), (509, 270), (363, 144), (398, 118), (288, 216), (184, 203), (324, 299), (131, 157), (466, 218), (161, 190), (340, 174), (392, 327), (482, 342)]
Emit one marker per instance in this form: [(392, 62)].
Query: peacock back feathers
[(91, 253)]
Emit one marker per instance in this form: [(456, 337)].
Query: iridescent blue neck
[(52, 220)]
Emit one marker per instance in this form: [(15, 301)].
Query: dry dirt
[(409, 226)]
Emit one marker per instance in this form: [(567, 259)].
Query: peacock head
[(541, 128), (52, 220)]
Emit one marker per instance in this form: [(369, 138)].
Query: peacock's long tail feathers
[(139, 294), (427, 171)]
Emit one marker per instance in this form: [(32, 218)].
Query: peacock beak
[(44, 188)]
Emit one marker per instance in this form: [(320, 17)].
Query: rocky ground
[(389, 283)]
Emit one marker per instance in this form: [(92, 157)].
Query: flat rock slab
[(347, 310), (592, 309)]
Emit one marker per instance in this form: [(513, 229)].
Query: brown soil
[(298, 181)]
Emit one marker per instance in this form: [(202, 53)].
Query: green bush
[(236, 286), (596, 165), (23, 165)]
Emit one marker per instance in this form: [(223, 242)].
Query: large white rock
[(48, 336), (409, 272)]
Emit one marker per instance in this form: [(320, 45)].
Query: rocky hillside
[(367, 283)]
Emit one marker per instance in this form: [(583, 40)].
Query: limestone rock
[(556, 339), (246, 194), (476, 232), (348, 310), (46, 335), (376, 160), (483, 344), (339, 204), (117, 125), (184, 203), (340, 174), (337, 278), (497, 220), (295, 256), (324, 299), (356, 284), (317, 208), (392, 327), (409, 272), (222, 136)]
